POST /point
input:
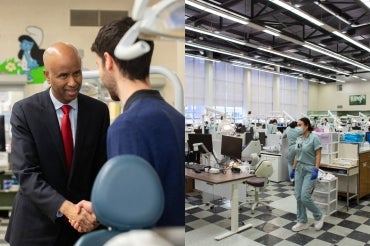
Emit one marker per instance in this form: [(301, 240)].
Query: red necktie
[(67, 136)]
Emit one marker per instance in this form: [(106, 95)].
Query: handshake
[(80, 215)]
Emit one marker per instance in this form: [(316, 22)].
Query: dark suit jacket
[(39, 164)]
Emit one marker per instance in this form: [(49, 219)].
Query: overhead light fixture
[(334, 55), (260, 61), (213, 34), (271, 32), (332, 13), (349, 39), (304, 61), (298, 12), (321, 24), (242, 42), (202, 5), (366, 2), (201, 57)]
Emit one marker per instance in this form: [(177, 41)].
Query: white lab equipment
[(164, 19)]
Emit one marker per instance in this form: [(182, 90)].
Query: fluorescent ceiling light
[(218, 11), (298, 12), (304, 61), (271, 32), (283, 4), (201, 57), (334, 55), (332, 12), (241, 42), (260, 61), (198, 30), (321, 24), (366, 2), (349, 39)]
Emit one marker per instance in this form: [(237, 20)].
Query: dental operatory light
[(163, 20)]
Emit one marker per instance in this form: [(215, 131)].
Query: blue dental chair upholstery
[(127, 194)]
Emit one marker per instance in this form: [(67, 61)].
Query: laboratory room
[(277, 111), (92, 122)]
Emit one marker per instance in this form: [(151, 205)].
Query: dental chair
[(259, 182), (127, 195)]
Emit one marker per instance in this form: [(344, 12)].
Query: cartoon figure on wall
[(30, 55)]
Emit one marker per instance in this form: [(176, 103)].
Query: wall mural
[(29, 58)]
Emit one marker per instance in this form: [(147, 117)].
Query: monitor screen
[(262, 137), (198, 131), (248, 137), (231, 147), (206, 139)]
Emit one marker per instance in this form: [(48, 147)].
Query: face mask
[(299, 130)]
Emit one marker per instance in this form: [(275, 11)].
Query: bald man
[(49, 191)]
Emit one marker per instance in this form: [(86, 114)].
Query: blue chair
[(127, 194)]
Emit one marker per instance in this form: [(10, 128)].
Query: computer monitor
[(231, 147), (248, 137), (198, 131), (206, 139), (262, 138)]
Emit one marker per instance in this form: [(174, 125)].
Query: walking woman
[(305, 171)]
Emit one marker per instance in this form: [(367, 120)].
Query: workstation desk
[(234, 179)]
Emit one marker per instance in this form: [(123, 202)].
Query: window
[(229, 92), (228, 89), (195, 80), (262, 96)]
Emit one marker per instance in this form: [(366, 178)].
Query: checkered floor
[(344, 227), (3, 224)]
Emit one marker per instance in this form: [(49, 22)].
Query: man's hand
[(84, 207), (79, 217)]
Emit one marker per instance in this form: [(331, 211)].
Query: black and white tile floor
[(343, 228)]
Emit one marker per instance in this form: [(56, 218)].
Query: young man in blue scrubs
[(149, 127)]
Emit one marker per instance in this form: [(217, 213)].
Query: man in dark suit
[(49, 190)]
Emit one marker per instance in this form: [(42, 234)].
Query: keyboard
[(198, 168)]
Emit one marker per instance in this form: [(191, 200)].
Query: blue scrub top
[(291, 134), (306, 149)]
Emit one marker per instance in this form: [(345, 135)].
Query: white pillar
[(209, 86), (276, 91), (247, 100), (300, 96)]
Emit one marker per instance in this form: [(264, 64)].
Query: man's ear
[(47, 76), (109, 61)]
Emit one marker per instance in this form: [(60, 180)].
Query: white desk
[(229, 178)]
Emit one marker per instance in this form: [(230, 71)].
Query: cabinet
[(325, 195), (364, 174), (280, 167), (329, 142)]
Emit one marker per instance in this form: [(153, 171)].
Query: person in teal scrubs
[(305, 171), (291, 133)]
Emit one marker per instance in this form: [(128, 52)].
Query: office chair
[(259, 182), (127, 194)]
